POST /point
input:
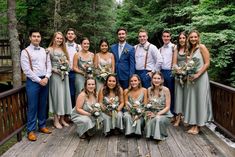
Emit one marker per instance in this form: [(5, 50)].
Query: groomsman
[(167, 51), (36, 65), (148, 58), (124, 55), (72, 48)]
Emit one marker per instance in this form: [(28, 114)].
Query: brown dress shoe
[(45, 130), (32, 136)]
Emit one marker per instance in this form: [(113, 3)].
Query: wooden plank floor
[(66, 143)]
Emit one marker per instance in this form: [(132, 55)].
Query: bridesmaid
[(112, 102), (198, 106), (81, 61), (135, 97), (104, 62), (179, 60), (82, 115), (59, 93), (159, 117)]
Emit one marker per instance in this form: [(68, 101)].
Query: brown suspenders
[(30, 60), (146, 56)]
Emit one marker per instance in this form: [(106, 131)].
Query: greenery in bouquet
[(180, 73), (95, 110), (111, 108), (136, 111), (88, 69), (191, 67), (102, 72), (63, 67), (153, 106)]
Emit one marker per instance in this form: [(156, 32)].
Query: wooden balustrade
[(223, 105), (5, 54), (12, 113)]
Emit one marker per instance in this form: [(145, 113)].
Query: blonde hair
[(188, 40), (63, 46)]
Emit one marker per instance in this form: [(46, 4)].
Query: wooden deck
[(65, 142)]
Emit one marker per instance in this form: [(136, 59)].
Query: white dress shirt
[(72, 48), (154, 58), (120, 48), (39, 64), (167, 55)]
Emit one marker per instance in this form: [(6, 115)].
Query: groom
[(124, 55)]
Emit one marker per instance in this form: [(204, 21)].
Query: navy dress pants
[(37, 105), (169, 82)]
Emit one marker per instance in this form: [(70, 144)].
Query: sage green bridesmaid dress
[(157, 126), (198, 106), (115, 121), (128, 119), (79, 78), (59, 93), (83, 122), (103, 64), (179, 89)]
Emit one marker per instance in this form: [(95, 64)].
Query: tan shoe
[(45, 130), (32, 136)]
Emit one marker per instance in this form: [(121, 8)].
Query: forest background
[(96, 19)]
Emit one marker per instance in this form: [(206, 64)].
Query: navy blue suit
[(125, 65)]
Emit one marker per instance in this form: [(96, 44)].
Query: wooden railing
[(12, 113), (223, 101), (5, 54)]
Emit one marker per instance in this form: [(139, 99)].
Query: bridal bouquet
[(96, 113), (63, 67), (180, 73), (88, 69), (191, 67), (112, 107), (102, 72), (136, 111)]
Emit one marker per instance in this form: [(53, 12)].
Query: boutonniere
[(126, 51)]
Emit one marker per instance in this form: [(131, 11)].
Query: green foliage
[(215, 19)]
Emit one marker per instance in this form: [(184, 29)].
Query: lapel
[(116, 52)]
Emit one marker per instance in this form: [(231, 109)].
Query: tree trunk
[(14, 43), (57, 17)]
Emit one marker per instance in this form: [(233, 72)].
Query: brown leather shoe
[(32, 136), (45, 130)]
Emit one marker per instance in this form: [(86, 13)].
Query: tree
[(14, 42)]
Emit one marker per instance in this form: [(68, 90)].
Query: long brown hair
[(85, 87), (63, 46), (116, 89), (153, 86), (130, 88), (185, 46)]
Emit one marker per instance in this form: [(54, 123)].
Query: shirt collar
[(122, 43), (32, 46)]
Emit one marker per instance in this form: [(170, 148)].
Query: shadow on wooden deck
[(66, 143)]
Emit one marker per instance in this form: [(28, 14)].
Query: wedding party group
[(122, 89)]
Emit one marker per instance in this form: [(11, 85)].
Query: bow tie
[(70, 45), (141, 45), (36, 48), (165, 46)]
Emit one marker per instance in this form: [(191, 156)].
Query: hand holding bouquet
[(63, 67)]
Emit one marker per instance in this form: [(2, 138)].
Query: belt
[(41, 77)]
